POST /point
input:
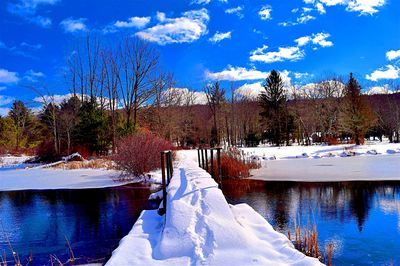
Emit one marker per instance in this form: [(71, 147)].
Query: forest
[(120, 90)]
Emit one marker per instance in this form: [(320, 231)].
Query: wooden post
[(202, 158), (171, 166), (164, 184), (167, 166), (212, 162), (198, 156), (219, 164), (206, 159)]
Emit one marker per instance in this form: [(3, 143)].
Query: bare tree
[(215, 99), (138, 60)]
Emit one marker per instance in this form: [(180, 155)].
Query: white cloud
[(74, 25), (205, 2), (160, 16), (379, 90), (364, 7), (316, 39), (300, 75), (4, 111), (188, 28), (265, 13), (31, 46), (320, 7), (236, 11), (57, 98), (392, 55), (304, 19), (283, 54), (28, 7), (5, 100), (7, 77), (33, 76), (44, 22), (184, 96), (388, 72), (250, 90), (217, 37), (133, 22), (236, 73)]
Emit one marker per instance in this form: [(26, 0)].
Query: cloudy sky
[(203, 40)]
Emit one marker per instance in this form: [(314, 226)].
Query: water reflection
[(94, 220), (362, 216)]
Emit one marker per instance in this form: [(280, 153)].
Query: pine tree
[(275, 113), (356, 116)]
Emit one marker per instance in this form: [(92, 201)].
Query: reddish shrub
[(46, 152), (140, 153), (234, 167)]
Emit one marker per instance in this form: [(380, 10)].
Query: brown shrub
[(234, 167), (92, 164), (140, 153)]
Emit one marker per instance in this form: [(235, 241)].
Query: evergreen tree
[(275, 112), (92, 131), (356, 116)]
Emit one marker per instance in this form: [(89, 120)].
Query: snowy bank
[(326, 163), (24, 179), (201, 228)]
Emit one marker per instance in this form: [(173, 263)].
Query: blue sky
[(203, 40)]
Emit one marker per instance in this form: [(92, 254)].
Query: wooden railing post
[(164, 184), (212, 162), (202, 158), (206, 160), (171, 166), (198, 157), (219, 164)]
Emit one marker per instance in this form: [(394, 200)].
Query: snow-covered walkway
[(201, 228)]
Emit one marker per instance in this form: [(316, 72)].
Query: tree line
[(122, 89)]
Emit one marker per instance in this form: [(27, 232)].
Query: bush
[(140, 153), (234, 167)]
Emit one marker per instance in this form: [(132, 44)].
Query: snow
[(321, 151), (39, 179), (376, 161), (201, 228)]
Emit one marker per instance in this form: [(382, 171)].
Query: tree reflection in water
[(354, 212), (94, 220)]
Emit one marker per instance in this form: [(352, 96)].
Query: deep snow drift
[(201, 228)]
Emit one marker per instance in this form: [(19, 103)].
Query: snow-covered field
[(201, 228), (376, 161), (24, 179), (15, 174)]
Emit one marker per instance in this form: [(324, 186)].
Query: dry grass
[(306, 241), (92, 164)]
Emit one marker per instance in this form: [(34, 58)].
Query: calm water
[(362, 219), (94, 220)]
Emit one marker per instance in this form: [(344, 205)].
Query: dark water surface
[(361, 219), (94, 221)]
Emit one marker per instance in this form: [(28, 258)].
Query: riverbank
[(373, 162), (200, 227)]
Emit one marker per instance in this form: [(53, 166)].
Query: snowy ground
[(15, 174), (327, 163), (24, 179), (201, 228)]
